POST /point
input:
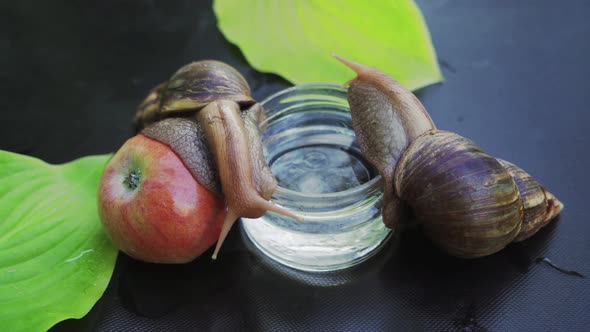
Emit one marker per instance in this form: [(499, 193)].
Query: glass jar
[(311, 148)]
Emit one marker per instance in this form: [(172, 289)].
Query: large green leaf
[(55, 258), (295, 38)]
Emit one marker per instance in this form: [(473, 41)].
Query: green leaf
[(55, 258), (295, 38)]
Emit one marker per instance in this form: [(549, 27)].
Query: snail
[(205, 113), (470, 203)]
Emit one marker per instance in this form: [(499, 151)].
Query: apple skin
[(152, 207)]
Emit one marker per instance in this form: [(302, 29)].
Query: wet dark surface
[(517, 82)]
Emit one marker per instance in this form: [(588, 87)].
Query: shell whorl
[(190, 89), (540, 206), (468, 203)]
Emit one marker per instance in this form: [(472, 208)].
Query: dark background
[(517, 82)]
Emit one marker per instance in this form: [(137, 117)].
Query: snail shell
[(148, 111), (191, 88), (540, 206), (469, 204), (197, 84)]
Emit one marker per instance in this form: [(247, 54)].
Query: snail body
[(206, 115), (470, 203)]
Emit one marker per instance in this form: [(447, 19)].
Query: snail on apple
[(204, 115)]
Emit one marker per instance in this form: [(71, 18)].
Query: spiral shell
[(191, 88), (540, 206), (197, 84), (469, 204), (148, 111)]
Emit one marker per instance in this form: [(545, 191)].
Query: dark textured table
[(517, 82)]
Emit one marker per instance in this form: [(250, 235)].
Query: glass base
[(316, 252)]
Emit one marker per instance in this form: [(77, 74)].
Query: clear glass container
[(311, 148)]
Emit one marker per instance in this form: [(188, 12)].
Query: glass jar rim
[(302, 87), (368, 187)]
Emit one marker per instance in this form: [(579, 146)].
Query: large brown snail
[(205, 113), (470, 203)]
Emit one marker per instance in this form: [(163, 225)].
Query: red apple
[(153, 208)]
